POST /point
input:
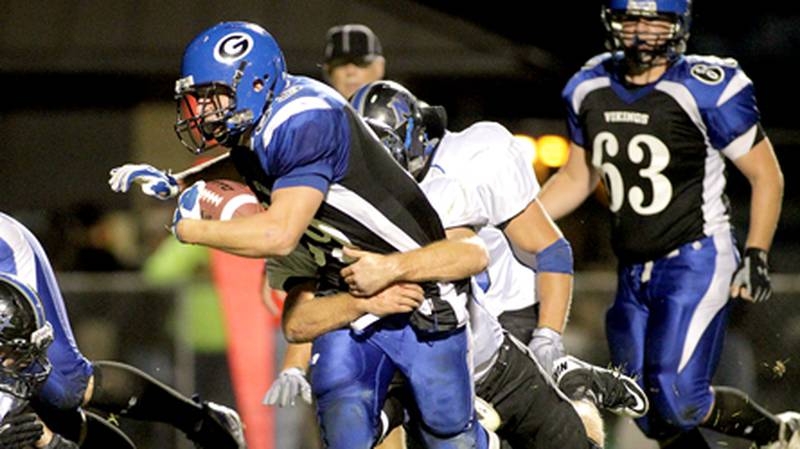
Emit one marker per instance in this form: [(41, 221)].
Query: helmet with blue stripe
[(229, 76), (25, 336), (643, 49), (405, 119)]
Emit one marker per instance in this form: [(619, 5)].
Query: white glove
[(188, 206), (290, 384), (547, 347), (154, 182)]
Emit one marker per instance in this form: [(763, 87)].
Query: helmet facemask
[(658, 41), (24, 365)]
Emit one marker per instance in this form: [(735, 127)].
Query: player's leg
[(438, 372), (687, 297), (126, 391), (349, 378), (533, 412), (626, 327)]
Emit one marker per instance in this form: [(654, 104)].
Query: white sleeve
[(507, 181), (299, 264), (454, 203)]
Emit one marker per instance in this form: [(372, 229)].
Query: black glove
[(752, 276), (20, 431), (60, 443)]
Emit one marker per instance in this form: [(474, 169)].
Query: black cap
[(352, 42)]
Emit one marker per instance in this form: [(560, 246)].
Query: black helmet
[(417, 125), (25, 336)]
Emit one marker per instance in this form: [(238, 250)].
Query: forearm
[(252, 236), (562, 193), (297, 356), (310, 318), (554, 291), (765, 209), (444, 260)]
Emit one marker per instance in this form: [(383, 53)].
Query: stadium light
[(553, 150)]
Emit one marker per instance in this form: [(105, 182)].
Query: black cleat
[(608, 389), (220, 428)]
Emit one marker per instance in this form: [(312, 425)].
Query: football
[(223, 199)]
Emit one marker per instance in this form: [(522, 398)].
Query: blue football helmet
[(639, 53), (229, 76), (417, 126), (25, 336)]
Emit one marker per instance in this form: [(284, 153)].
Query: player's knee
[(347, 424), (680, 404), (446, 425)]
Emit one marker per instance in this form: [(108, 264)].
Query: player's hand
[(751, 280), (59, 442), (154, 182), (290, 384), (403, 297), (188, 206), (369, 273), (547, 347), (20, 431)]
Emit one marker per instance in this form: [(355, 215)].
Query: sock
[(735, 414), (129, 392), (692, 439)]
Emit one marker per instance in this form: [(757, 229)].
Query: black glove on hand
[(751, 280), (20, 431)]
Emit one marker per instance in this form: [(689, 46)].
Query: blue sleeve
[(574, 130), (735, 116), (309, 149)]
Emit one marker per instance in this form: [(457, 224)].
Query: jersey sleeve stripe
[(286, 112), (684, 97), (736, 84), (741, 145), (583, 89)]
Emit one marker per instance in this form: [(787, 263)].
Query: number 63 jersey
[(660, 147)]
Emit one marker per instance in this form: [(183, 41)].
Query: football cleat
[(608, 389), (220, 428), (789, 433), (487, 415)]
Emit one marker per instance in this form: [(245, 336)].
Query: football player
[(655, 125), (304, 152), (75, 382)]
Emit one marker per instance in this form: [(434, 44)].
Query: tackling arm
[(305, 317), (460, 256), (570, 186)]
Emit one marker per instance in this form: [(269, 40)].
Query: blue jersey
[(310, 136), (23, 256), (659, 147)]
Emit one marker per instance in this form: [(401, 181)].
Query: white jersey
[(498, 170), (481, 178)]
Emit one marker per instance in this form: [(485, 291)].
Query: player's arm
[(571, 185), (274, 232), (534, 232), (306, 316), (461, 255), (761, 168)]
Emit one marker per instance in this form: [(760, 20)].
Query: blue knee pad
[(348, 423), (472, 436), (677, 404)]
